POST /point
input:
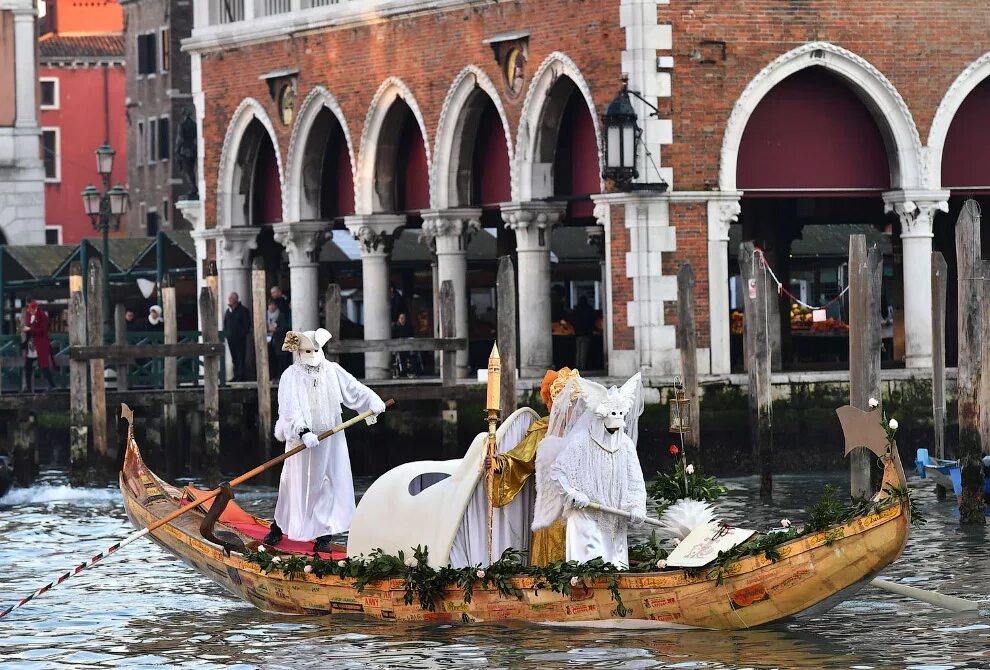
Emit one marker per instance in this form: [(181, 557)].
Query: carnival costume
[(514, 470), (589, 456), (316, 491)]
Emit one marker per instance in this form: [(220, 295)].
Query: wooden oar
[(621, 512), (951, 603), (192, 505)]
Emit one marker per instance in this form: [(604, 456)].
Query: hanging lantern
[(680, 413)]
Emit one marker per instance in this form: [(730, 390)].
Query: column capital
[(375, 232), (450, 230), (722, 212), (234, 245), (532, 222), (301, 240), (192, 211), (916, 210), (596, 238)]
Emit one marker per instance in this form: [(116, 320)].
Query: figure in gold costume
[(515, 468)]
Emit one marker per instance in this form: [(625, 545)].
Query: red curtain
[(966, 156)]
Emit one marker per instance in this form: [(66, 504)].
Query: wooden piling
[(120, 337), (78, 394), (865, 273), (25, 448), (939, 288), (448, 317), (259, 304), (331, 316), (170, 416), (505, 283), (687, 343), (98, 389), (756, 346), (974, 359), (210, 458)]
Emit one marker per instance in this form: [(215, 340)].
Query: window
[(163, 145), (166, 53), (165, 211), (151, 223), (53, 234), (152, 140), (51, 154), (147, 54), (49, 93), (140, 143)]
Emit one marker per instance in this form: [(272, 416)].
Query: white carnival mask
[(309, 345), (610, 407)]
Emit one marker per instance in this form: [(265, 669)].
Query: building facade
[(22, 176), (158, 98), (448, 118), (81, 88)]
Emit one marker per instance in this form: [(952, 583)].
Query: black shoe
[(322, 544), (274, 535)]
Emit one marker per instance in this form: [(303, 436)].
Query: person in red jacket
[(38, 346)]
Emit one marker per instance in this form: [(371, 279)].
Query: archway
[(401, 171)]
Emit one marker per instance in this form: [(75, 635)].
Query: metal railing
[(227, 11), (235, 11)]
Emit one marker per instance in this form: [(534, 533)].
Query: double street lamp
[(104, 211)]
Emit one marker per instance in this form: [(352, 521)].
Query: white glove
[(579, 500), (377, 406), (310, 439), (636, 517)]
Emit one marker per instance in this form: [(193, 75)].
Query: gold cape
[(513, 470)]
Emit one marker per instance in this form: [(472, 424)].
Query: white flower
[(481, 574), (786, 523), (689, 469), (893, 424), (261, 547), (410, 562), (874, 402), (676, 541), (341, 564), (661, 564), (574, 581), (308, 569), (276, 559)]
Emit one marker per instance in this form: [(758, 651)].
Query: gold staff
[(494, 402)]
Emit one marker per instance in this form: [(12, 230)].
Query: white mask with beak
[(309, 345)]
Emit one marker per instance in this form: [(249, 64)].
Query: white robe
[(605, 467), (316, 491)]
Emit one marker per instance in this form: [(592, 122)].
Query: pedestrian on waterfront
[(397, 303), (130, 321), (38, 348), (408, 361), (236, 327), (278, 326), (282, 302), (155, 323)]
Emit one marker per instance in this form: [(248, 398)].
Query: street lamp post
[(104, 211)]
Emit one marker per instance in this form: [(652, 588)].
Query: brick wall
[(623, 337), (691, 221)]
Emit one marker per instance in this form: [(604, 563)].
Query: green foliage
[(669, 488), (644, 557)]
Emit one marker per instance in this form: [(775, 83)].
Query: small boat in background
[(947, 473), (6, 475)]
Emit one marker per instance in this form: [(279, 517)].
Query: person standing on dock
[(316, 491), (39, 348), (236, 328)]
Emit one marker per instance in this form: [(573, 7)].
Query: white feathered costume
[(581, 461), (316, 491)]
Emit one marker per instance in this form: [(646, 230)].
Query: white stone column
[(26, 73), (448, 232), (233, 250), (192, 211), (721, 214), (532, 223), (376, 233), (916, 210), (302, 242)]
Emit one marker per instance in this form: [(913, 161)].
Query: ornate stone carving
[(721, 214), (596, 239), (917, 216), (234, 246), (375, 232), (301, 240), (449, 231)]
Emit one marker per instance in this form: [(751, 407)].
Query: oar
[(182, 510), (621, 512), (951, 603)]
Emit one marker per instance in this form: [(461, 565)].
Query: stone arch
[(295, 195), (879, 95), (367, 200), (975, 73), (536, 137), (465, 100), (232, 200)]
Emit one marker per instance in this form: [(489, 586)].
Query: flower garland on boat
[(427, 584)]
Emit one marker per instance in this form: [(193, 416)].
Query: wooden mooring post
[(120, 337), (865, 273), (448, 317), (687, 343), (974, 361), (170, 414), (505, 283), (259, 305), (756, 345), (210, 457), (939, 289), (78, 393), (331, 316), (97, 380)]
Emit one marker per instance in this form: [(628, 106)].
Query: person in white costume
[(589, 456), (316, 491)]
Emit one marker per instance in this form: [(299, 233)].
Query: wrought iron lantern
[(104, 159), (680, 412), (621, 139)]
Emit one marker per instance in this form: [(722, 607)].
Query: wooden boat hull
[(751, 592)]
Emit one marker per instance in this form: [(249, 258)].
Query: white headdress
[(308, 344)]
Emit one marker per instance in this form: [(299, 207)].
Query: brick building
[(158, 97), (449, 117)]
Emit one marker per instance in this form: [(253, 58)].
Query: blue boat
[(947, 474)]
